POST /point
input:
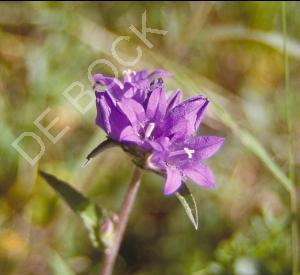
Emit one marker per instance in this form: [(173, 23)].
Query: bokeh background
[(230, 51)]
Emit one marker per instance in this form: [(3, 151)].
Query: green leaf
[(90, 213), (189, 204), (58, 265), (106, 144)]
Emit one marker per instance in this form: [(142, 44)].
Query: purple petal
[(129, 134), (201, 175), (133, 110), (191, 111), (113, 85), (140, 75), (128, 91), (178, 130), (102, 113), (156, 106), (153, 103), (140, 95), (173, 180), (159, 72), (154, 145), (205, 146), (160, 154), (200, 113), (174, 99), (159, 144), (139, 79), (109, 118)]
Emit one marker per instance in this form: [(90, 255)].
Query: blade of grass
[(241, 33), (288, 112)]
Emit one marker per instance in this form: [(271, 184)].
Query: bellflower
[(124, 109), (138, 112), (161, 131), (182, 159)]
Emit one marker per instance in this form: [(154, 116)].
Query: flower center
[(189, 152), (185, 150), (149, 129)]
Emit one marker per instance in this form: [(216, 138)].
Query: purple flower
[(145, 114), (182, 159), (160, 132)]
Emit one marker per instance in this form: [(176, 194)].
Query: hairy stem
[(111, 255)]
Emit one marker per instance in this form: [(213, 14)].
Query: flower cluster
[(159, 131)]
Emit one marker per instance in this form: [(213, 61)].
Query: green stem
[(293, 193), (111, 255), (294, 232)]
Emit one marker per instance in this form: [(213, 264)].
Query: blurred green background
[(230, 51)]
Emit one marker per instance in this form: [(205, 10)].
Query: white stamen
[(149, 129), (189, 152), (129, 73)]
